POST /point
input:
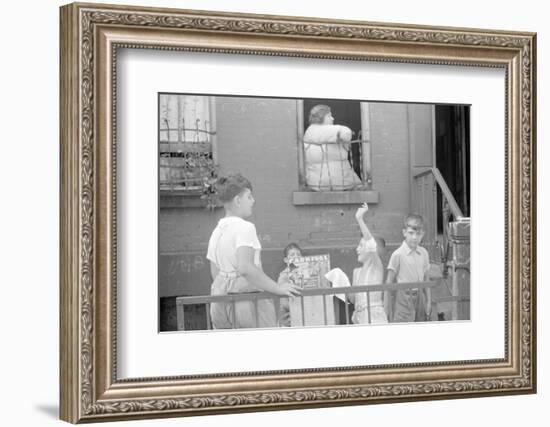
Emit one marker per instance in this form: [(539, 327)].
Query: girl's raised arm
[(362, 225)]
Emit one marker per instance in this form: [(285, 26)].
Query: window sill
[(334, 197)]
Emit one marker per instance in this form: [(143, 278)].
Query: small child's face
[(292, 254), (413, 236)]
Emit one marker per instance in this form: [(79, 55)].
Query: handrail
[(455, 209), (202, 299), (450, 250)]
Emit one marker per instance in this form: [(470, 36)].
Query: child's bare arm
[(213, 270), (362, 225), (254, 274), (391, 276)]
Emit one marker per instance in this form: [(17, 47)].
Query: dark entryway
[(452, 150)]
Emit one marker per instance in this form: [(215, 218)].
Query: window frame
[(174, 198)]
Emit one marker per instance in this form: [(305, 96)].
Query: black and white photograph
[(280, 212)]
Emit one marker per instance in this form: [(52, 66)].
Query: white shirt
[(232, 233), (410, 265)]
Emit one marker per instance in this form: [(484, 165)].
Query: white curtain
[(191, 111)]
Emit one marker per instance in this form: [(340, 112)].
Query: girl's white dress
[(327, 165), (372, 273)]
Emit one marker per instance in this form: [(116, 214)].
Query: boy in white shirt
[(235, 265), (411, 263)]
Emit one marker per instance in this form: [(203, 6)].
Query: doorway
[(452, 153)]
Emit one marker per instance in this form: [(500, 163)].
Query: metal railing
[(454, 250), (206, 300), (347, 167), (426, 184), (186, 162)]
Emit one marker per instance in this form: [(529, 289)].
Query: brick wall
[(258, 137)]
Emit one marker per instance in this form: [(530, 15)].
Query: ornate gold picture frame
[(91, 390)]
